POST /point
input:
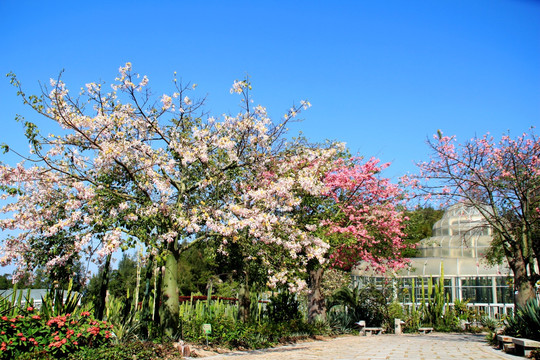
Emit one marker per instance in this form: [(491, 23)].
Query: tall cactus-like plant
[(436, 301), (415, 315)]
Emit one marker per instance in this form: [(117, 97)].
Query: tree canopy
[(127, 169)]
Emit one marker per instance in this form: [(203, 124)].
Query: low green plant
[(125, 317), (57, 336), (283, 307), (11, 303), (368, 304), (124, 351), (340, 321), (489, 323), (525, 322), (57, 302)]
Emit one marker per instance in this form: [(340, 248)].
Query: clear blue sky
[(381, 75)]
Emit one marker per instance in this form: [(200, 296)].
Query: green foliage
[(125, 316), (55, 303), (419, 226), (57, 336), (228, 331), (124, 351), (435, 303), (283, 307), (195, 313), (525, 322), (124, 279), (196, 268), (489, 323), (121, 280), (10, 304), (5, 282), (368, 304), (340, 320)]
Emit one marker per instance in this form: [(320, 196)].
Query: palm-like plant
[(367, 304), (526, 321)]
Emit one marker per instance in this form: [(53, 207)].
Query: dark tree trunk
[(523, 284), (146, 307), (316, 304), (244, 302), (104, 286)]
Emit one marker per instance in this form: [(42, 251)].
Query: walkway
[(409, 347)]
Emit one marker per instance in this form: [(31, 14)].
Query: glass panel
[(477, 289)]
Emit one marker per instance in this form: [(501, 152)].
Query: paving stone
[(381, 347)]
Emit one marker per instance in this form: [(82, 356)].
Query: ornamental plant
[(30, 332)]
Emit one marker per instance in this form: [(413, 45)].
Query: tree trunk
[(170, 309), (146, 307), (316, 305), (523, 286), (244, 302), (100, 308)]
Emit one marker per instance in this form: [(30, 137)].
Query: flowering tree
[(124, 168), (502, 181), (362, 222), (346, 206)]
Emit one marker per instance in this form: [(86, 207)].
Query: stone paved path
[(409, 347)]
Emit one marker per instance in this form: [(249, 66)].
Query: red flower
[(94, 330)]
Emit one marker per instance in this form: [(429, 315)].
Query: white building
[(456, 250)]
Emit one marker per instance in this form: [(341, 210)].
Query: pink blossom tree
[(362, 223), (502, 181), (347, 206), (124, 168)]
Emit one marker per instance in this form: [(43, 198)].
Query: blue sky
[(382, 76)]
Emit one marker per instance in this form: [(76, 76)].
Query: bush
[(368, 304), (525, 322), (29, 332), (125, 351), (283, 307)]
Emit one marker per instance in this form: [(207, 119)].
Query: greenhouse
[(455, 253)]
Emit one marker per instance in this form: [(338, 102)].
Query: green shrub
[(283, 307), (125, 351), (30, 332), (368, 304), (525, 322)]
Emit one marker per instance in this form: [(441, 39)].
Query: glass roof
[(462, 232), (457, 248)]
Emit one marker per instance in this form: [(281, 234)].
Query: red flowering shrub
[(57, 336)]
